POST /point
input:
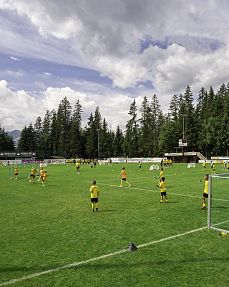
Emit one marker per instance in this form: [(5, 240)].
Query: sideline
[(76, 264)]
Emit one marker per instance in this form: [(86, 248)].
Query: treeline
[(6, 142), (148, 131)]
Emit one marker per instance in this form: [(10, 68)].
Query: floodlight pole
[(183, 115)]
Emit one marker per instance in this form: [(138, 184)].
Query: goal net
[(190, 165), (154, 167), (218, 202)]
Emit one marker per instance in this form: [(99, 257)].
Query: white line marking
[(170, 192), (76, 264)]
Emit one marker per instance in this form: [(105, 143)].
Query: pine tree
[(132, 133), (118, 143), (146, 129), (89, 138), (46, 128), (76, 131), (27, 142), (38, 137), (157, 120), (190, 125), (63, 126), (53, 137), (6, 141)]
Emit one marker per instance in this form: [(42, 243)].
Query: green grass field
[(44, 228)]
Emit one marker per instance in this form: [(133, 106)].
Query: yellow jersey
[(44, 175), (42, 172), (33, 171), (94, 190), (161, 173), (162, 186), (123, 174), (206, 186)]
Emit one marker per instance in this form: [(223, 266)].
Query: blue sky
[(106, 53)]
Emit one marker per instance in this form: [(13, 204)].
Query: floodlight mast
[(183, 115)]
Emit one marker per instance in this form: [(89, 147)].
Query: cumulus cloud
[(19, 108), (186, 43), (106, 33)]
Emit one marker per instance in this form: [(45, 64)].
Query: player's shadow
[(221, 207), (170, 202), (107, 210)]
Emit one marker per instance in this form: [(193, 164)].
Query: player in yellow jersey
[(43, 177), (160, 176), (161, 173), (41, 173), (205, 193), (204, 165), (32, 175), (163, 190), (78, 167), (94, 191), (124, 177), (16, 171)]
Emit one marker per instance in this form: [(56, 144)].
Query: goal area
[(218, 202)]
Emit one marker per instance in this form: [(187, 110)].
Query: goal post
[(218, 202)]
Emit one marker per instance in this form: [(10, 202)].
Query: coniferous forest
[(148, 131)]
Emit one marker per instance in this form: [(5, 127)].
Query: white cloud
[(17, 108), (105, 35), (15, 59), (20, 108)]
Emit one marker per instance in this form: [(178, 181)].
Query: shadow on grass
[(116, 266), (152, 263), (107, 210), (171, 202)]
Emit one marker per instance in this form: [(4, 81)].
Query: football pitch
[(51, 237)]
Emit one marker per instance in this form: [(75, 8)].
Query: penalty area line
[(171, 192), (76, 264)]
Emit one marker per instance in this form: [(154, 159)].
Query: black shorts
[(78, 168), (163, 193), (16, 173), (32, 175), (205, 195), (94, 200), (124, 179)]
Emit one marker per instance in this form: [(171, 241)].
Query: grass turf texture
[(43, 228)]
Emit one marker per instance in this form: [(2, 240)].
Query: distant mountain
[(15, 135)]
